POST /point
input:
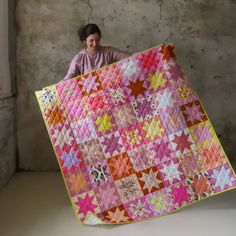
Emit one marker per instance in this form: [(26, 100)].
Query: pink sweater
[(84, 61)]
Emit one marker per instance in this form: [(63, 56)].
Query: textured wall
[(7, 140), (7, 89), (203, 32), (5, 81)]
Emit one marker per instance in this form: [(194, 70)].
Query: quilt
[(133, 140)]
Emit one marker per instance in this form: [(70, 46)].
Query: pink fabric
[(84, 61)]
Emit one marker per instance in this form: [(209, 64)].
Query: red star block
[(182, 142), (167, 52), (137, 88)]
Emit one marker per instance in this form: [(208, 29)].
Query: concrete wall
[(7, 91), (203, 32), (7, 140)]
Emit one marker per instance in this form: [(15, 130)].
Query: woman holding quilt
[(93, 56)]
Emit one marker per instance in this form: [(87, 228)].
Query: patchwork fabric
[(133, 141)]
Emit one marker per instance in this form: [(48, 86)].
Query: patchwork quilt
[(133, 140)]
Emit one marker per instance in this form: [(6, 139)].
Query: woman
[(93, 56)]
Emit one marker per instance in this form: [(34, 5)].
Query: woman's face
[(92, 42)]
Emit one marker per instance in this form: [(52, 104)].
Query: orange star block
[(137, 88), (201, 185), (77, 182), (55, 116), (167, 52)]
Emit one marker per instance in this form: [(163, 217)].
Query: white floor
[(37, 204)]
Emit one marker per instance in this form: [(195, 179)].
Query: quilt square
[(68, 91), (163, 150), (182, 194), (153, 129), (112, 144), (62, 136), (212, 156), (193, 113), (139, 208), (129, 188), (86, 204), (157, 81), (144, 108), (183, 91), (150, 180), (110, 76), (78, 109), (142, 157), (203, 134), (173, 120), (116, 96), (104, 122), (164, 100), (55, 115), (83, 130), (222, 177), (48, 98), (120, 166), (116, 215), (201, 185), (99, 173), (149, 62), (124, 116), (160, 202), (182, 142), (70, 158), (132, 136), (130, 70), (91, 151), (171, 172), (89, 83), (107, 196), (137, 88), (97, 101), (191, 163), (77, 181)]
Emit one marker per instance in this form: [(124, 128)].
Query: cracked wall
[(201, 30)]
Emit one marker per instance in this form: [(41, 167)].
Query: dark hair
[(85, 31)]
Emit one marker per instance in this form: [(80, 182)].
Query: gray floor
[(37, 204)]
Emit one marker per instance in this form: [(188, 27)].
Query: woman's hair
[(85, 31)]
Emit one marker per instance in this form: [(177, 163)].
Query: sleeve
[(73, 69), (117, 54)]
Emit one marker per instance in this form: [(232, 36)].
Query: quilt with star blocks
[(133, 141)]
